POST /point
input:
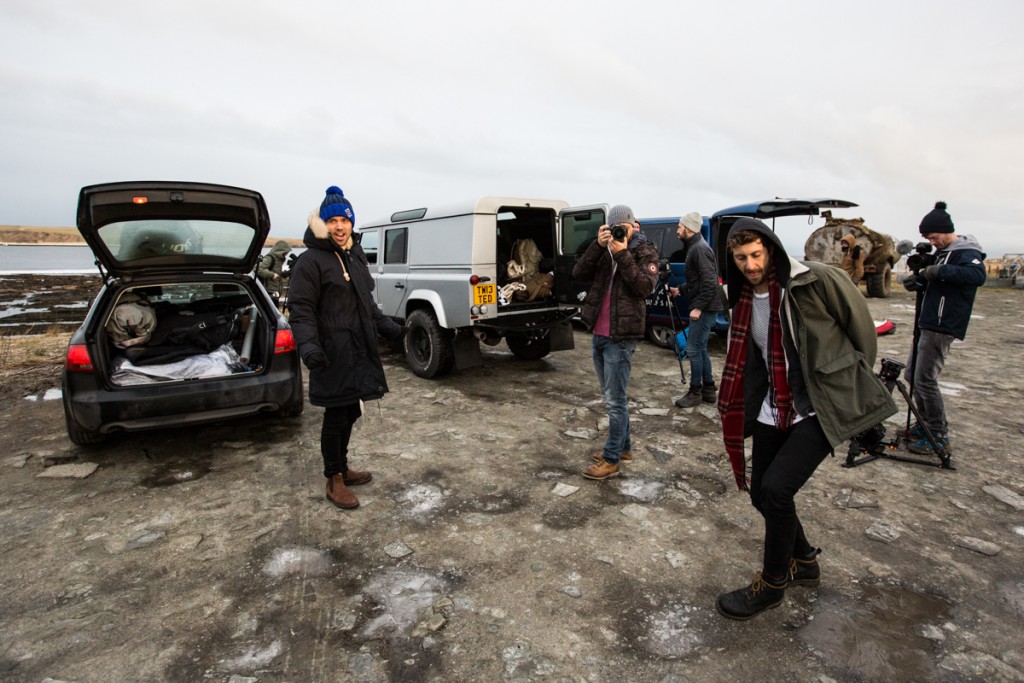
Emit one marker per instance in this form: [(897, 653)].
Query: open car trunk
[(180, 332), (525, 258)]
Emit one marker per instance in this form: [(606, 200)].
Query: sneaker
[(749, 601), (625, 458), (924, 447), (805, 571), (601, 470), (915, 432), (692, 398), (708, 393)]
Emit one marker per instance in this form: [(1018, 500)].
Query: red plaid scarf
[(730, 395)]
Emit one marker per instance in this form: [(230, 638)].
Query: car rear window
[(140, 240)]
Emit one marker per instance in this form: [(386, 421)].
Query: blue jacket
[(948, 299)]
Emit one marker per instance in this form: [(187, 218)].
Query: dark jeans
[(782, 461), (613, 362), (334, 435), (697, 349), (932, 349)]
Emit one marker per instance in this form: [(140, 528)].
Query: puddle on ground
[(177, 473), (877, 636)]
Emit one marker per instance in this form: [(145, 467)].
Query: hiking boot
[(915, 432), (355, 477), (708, 393), (601, 470), (625, 458), (692, 398), (749, 601), (339, 494), (805, 571), (924, 447)]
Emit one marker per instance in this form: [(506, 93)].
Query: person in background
[(798, 379), (622, 267), (336, 324), (948, 287), (270, 270), (702, 290), (853, 258)]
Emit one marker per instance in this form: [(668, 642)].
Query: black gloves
[(291, 260), (915, 283), (315, 359), (930, 273)]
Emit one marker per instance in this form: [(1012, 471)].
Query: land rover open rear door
[(577, 228)]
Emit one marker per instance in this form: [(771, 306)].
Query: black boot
[(749, 601), (707, 393), (691, 399), (804, 571)]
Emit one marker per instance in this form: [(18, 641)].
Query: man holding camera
[(622, 267), (798, 379), (947, 282)]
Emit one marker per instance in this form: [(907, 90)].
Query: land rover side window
[(369, 241), (394, 245), (579, 229)]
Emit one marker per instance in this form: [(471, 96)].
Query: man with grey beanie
[(622, 267), (946, 291)]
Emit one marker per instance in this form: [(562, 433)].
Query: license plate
[(484, 294)]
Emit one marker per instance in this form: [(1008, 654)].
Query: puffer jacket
[(338, 317), (701, 286), (636, 275), (948, 299), (830, 342)]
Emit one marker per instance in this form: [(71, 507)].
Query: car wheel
[(660, 336), (428, 346), (526, 347), (292, 409), (879, 285)]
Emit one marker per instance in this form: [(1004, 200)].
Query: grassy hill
[(29, 234)]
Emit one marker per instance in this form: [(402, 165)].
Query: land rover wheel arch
[(428, 346)]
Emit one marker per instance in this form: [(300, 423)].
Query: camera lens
[(619, 232)]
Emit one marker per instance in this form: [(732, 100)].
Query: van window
[(395, 242), (369, 241), (579, 229)]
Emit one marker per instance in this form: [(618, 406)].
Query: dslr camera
[(619, 232)]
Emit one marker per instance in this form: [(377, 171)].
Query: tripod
[(872, 443)]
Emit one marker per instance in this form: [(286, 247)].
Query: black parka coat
[(338, 317)]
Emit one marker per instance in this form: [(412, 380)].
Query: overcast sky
[(669, 106)]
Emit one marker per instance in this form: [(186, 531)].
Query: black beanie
[(937, 220)]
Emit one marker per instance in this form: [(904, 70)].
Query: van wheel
[(879, 285), (428, 346), (526, 347), (660, 336)]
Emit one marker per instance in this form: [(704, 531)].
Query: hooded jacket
[(273, 264), (830, 343), (948, 299), (338, 317), (636, 274)]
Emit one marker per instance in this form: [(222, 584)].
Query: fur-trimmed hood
[(319, 237)]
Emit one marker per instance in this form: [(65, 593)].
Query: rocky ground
[(479, 554)]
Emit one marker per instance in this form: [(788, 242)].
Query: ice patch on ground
[(304, 561), (645, 491), (406, 597), (421, 498), (254, 659), (669, 632)]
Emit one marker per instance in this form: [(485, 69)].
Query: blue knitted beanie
[(335, 204)]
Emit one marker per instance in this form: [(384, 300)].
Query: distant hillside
[(28, 234)]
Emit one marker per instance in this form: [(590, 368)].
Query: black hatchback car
[(181, 332)]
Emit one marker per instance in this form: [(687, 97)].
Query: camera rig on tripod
[(872, 444)]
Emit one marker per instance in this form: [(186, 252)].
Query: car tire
[(428, 346), (293, 409), (78, 434), (660, 335), (526, 347), (879, 285)]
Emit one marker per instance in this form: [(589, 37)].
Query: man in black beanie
[(947, 287)]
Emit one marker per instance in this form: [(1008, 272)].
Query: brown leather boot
[(339, 494), (355, 477)]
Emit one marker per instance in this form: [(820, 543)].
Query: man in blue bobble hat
[(336, 324), (947, 288)]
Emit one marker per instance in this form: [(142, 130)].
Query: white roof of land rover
[(484, 205)]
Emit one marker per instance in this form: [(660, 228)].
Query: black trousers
[(334, 435), (781, 463)]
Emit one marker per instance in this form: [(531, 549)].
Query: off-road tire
[(525, 347), (879, 285), (428, 346)]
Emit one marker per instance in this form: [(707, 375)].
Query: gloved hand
[(315, 359), (930, 273), (914, 283), (291, 260)]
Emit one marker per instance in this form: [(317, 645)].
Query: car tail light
[(474, 279), (140, 200), (78, 359), (284, 342)]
